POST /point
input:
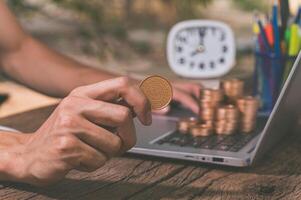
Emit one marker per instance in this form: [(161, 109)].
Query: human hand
[(185, 93), (74, 137)]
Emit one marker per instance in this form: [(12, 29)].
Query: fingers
[(76, 154), (127, 132), (99, 138), (136, 99), (187, 100), (100, 113), (191, 88), (183, 93), (114, 116), (114, 89), (90, 159)]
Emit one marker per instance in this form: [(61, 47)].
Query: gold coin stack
[(233, 89), (185, 124), (210, 99), (248, 107), (222, 111), (227, 120)]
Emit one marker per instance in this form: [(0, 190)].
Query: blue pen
[(277, 69), (277, 47), (270, 71), (265, 75)]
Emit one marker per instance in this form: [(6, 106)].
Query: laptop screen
[(284, 114)]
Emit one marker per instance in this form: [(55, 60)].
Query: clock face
[(201, 49)]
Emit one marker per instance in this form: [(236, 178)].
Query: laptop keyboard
[(232, 143)]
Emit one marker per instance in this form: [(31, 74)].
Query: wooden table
[(277, 176)]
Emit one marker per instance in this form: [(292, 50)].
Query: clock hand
[(194, 53), (202, 32), (200, 49)]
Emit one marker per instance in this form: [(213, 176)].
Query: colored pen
[(277, 67), (293, 47), (263, 35), (287, 36), (284, 14), (294, 40), (269, 33), (276, 34), (255, 27)]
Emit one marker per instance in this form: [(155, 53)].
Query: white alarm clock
[(201, 49)]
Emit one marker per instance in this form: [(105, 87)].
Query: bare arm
[(30, 62), (10, 146)]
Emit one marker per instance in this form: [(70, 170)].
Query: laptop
[(162, 138)]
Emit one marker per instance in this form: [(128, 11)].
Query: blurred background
[(123, 36)]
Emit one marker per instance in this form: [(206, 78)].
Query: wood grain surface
[(276, 176)]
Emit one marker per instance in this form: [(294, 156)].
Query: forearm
[(48, 71), (11, 147)]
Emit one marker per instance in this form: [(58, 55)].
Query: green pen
[(287, 36), (292, 39)]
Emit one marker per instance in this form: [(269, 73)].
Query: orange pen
[(269, 33)]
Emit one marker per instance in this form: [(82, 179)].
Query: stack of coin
[(233, 89), (222, 111), (213, 96), (248, 107), (209, 100), (184, 124), (227, 120), (199, 130)]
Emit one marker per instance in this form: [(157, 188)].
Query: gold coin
[(158, 91), (206, 104), (200, 130), (209, 124), (233, 88), (221, 113), (240, 103), (232, 112), (185, 123), (252, 102)]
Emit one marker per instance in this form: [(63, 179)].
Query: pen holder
[(269, 74), (267, 79)]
